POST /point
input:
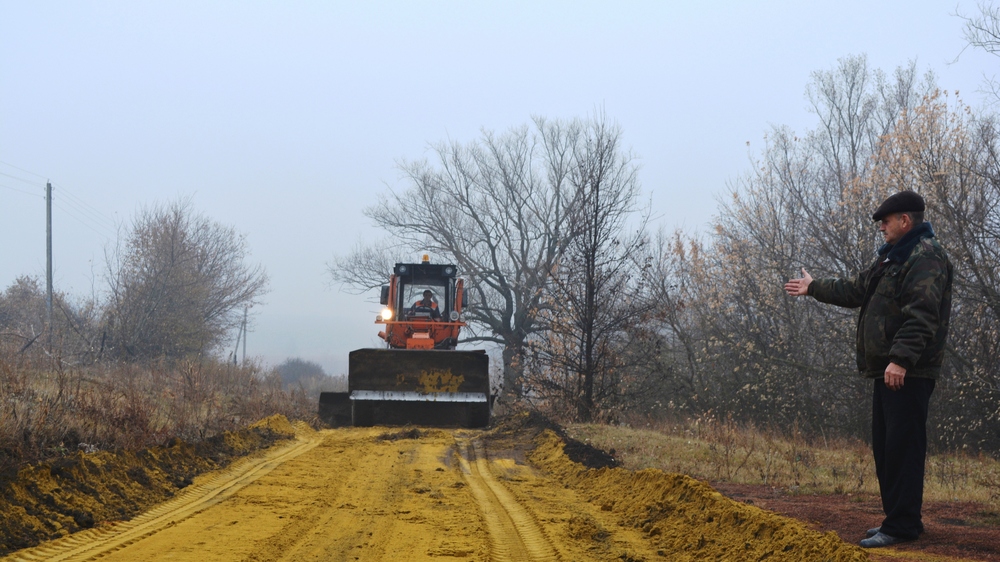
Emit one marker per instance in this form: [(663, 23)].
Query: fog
[(285, 120)]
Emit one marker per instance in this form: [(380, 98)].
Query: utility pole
[(236, 350), (245, 309), (48, 261)]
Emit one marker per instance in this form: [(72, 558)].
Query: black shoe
[(881, 539), (874, 531)]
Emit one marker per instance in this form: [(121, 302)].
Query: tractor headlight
[(387, 314), (454, 316)]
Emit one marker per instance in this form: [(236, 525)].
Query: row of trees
[(598, 319), (808, 203), (177, 284)]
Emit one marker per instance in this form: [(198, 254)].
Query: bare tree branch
[(178, 284)]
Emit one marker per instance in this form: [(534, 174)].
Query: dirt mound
[(517, 430), (412, 433), (278, 424), (525, 422), (81, 490), (686, 518)]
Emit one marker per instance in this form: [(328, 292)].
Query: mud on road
[(513, 493)]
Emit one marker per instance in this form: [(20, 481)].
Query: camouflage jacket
[(905, 300)]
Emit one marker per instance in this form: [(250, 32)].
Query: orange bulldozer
[(419, 378)]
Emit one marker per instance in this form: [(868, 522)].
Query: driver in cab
[(426, 305)]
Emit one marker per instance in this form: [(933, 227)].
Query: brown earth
[(521, 491), (953, 530), (83, 490)]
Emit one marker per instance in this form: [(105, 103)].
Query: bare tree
[(982, 31), (735, 341), (500, 208), (177, 284), (75, 327), (596, 295), (367, 266), (22, 310)]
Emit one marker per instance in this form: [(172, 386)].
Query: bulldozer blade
[(335, 408), (420, 387)]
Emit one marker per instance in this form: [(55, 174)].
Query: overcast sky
[(286, 119)]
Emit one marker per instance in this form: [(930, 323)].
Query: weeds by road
[(52, 409), (724, 451)]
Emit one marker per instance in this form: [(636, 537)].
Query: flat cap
[(902, 202)]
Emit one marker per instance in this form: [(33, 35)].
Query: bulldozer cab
[(423, 303), (424, 300), (406, 297)]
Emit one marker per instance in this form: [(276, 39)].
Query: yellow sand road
[(361, 494)]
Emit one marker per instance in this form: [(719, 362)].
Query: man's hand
[(799, 287), (894, 375)]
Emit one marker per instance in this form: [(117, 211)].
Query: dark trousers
[(899, 441)]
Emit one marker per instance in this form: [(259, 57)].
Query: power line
[(81, 214), (85, 207), (89, 215), (22, 169), (29, 182), (93, 226), (22, 191), (74, 206), (77, 202)]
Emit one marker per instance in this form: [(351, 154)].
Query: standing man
[(905, 301)]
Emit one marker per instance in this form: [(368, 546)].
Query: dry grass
[(724, 451), (51, 409)]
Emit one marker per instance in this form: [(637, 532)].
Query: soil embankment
[(84, 490)]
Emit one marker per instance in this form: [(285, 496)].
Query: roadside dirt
[(521, 491), (84, 490), (953, 530)]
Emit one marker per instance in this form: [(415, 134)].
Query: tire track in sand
[(514, 534), (368, 491), (94, 543)]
